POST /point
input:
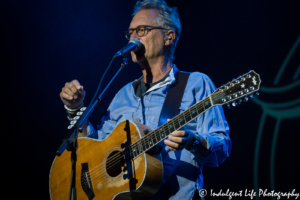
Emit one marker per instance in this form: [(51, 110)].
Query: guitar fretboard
[(159, 134)]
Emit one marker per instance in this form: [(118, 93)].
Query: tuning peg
[(234, 104), (224, 100), (73, 122), (252, 88), (250, 70), (240, 101), (235, 95), (228, 106), (251, 96), (257, 94), (246, 99)]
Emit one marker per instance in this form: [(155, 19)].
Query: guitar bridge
[(86, 182)]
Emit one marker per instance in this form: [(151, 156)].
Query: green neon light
[(287, 59), (286, 110), (297, 73), (267, 106), (280, 89), (273, 150), (256, 153)]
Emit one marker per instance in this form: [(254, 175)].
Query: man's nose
[(134, 35)]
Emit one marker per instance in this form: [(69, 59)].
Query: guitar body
[(118, 167), (101, 172)]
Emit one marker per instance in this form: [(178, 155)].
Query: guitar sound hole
[(114, 163)]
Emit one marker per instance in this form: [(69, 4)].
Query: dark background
[(47, 43)]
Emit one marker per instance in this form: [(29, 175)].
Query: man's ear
[(170, 37)]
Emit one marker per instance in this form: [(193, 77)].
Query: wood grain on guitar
[(119, 167), (108, 176)]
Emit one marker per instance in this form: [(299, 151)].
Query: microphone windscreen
[(137, 42)]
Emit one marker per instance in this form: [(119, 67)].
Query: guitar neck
[(159, 134), (233, 91)]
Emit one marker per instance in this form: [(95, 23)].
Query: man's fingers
[(180, 140), (69, 91), (76, 84), (80, 90), (173, 146), (180, 133), (72, 88), (65, 96)]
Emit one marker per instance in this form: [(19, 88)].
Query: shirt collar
[(168, 81)]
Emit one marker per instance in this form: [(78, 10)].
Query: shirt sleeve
[(106, 127), (108, 123), (213, 127)]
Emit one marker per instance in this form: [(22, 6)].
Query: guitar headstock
[(237, 90)]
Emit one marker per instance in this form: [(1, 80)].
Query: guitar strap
[(174, 96)]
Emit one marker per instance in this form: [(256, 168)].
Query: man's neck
[(154, 71)]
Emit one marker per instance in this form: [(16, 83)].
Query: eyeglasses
[(140, 30)]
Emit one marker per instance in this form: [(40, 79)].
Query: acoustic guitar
[(119, 167)]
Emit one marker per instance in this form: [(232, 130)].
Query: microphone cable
[(99, 85)]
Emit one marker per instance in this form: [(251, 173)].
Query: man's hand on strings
[(180, 139)]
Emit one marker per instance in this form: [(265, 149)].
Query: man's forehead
[(144, 17)]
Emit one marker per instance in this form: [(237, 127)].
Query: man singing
[(203, 141)]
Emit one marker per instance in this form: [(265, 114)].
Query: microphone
[(133, 45)]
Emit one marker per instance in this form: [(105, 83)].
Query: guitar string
[(111, 160), (143, 143), (120, 164), (153, 134), (174, 121), (114, 158), (115, 167), (111, 169)]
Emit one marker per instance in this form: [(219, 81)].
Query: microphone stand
[(70, 142)]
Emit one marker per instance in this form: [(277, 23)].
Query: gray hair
[(167, 18)]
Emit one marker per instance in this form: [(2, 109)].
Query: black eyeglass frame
[(146, 30)]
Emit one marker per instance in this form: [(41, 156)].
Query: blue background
[(47, 43)]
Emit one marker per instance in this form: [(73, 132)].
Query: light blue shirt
[(182, 169)]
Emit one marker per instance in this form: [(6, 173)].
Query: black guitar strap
[(174, 96)]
